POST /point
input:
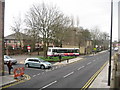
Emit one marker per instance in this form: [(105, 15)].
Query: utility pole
[(119, 26), (2, 6), (109, 68)]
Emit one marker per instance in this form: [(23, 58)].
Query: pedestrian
[(9, 65), (93, 52), (95, 49), (67, 60), (60, 57)]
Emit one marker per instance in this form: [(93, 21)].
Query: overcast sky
[(91, 13)]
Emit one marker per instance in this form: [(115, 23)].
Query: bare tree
[(77, 22), (60, 29), (83, 35), (44, 20), (104, 41), (95, 35), (17, 28), (100, 38)]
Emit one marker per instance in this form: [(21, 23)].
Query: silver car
[(36, 62), (8, 58)]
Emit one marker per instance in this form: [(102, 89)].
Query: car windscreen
[(41, 60), (7, 57)]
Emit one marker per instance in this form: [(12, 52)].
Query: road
[(74, 75)]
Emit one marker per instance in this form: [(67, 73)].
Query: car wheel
[(42, 67), (27, 65)]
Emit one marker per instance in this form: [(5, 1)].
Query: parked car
[(116, 49), (36, 62), (8, 58)]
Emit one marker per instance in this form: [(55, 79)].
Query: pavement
[(99, 82)]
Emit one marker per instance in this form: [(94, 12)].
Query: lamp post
[(109, 68), (2, 9)]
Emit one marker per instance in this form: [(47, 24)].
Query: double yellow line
[(93, 77), (27, 77)]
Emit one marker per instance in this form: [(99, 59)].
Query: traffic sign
[(28, 47)]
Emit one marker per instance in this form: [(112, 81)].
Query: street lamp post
[(109, 68)]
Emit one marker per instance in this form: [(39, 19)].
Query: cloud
[(91, 13)]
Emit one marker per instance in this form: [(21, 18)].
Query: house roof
[(14, 36)]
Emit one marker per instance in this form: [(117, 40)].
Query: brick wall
[(1, 33)]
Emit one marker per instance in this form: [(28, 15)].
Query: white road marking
[(83, 66), (52, 69), (38, 74), (47, 70), (93, 60), (80, 67), (68, 74), (88, 63), (21, 62), (34, 75), (49, 84)]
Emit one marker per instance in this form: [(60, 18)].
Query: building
[(17, 42), (84, 49), (2, 6)]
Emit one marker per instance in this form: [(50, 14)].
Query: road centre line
[(34, 75), (68, 74), (80, 67), (38, 74), (93, 60), (88, 63), (49, 84)]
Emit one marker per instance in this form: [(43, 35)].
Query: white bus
[(55, 51)]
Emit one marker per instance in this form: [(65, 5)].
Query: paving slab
[(7, 79)]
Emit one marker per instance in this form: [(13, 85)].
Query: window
[(30, 60), (54, 50), (8, 41), (49, 50), (35, 60)]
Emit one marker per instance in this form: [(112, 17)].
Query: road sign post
[(28, 48)]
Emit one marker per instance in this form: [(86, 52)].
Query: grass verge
[(56, 59)]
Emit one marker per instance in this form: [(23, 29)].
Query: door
[(36, 63)]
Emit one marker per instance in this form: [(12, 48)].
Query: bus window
[(54, 50), (49, 50), (76, 51)]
